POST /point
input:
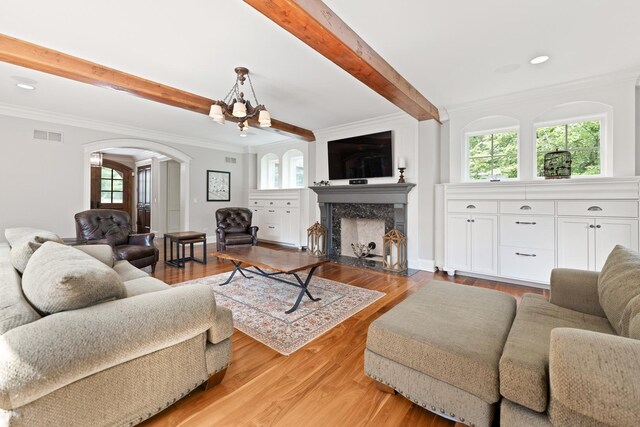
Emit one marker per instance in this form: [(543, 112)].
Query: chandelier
[(236, 108), (95, 159)]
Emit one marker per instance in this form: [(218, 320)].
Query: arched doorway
[(181, 158)]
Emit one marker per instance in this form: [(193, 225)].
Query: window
[(270, 172), (581, 139), (111, 186), (492, 156), (293, 172)]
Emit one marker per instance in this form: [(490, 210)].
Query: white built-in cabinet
[(519, 232), (278, 214)]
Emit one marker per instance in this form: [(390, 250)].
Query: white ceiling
[(449, 50)]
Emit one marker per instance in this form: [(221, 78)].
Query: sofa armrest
[(143, 239), (43, 356), (594, 378), (253, 230), (576, 290)]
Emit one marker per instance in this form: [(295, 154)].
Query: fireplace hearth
[(382, 203)]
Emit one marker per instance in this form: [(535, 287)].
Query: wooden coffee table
[(282, 262)]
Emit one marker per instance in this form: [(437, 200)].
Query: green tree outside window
[(581, 139), (493, 155)]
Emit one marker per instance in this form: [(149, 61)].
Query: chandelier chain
[(255, 98)]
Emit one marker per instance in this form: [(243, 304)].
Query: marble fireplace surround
[(387, 202)]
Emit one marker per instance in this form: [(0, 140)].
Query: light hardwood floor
[(322, 384)]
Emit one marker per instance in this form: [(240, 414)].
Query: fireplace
[(367, 211)]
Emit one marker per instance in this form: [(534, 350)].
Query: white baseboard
[(422, 264)]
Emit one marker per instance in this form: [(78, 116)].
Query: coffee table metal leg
[(233, 273), (304, 285)]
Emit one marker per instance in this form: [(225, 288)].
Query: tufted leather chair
[(112, 227), (234, 228)]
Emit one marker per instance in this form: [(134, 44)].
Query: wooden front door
[(111, 186), (143, 207)]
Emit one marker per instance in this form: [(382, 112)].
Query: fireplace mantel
[(362, 201), (365, 193)]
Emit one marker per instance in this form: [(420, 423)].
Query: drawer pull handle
[(598, 226), (271, 210), (288, 203), (521, 254), (471, 206), (270, 203), (525, 208), (288, 211), (525, 223), (471, 220), (271, 226), (594, 208)]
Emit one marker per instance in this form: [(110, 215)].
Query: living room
[(368, 171)]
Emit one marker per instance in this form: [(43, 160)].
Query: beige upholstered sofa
[(572, 360), (113, 363)]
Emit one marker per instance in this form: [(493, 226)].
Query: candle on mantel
[(401, 163)]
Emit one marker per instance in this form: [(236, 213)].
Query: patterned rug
[(259, 304)]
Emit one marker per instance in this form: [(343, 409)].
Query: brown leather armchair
[(112, 227), (234, 228)]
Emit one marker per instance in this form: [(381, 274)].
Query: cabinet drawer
[(530, 232), (270, 215), (527, 207), (270, 231), (287, 203), (473, 206), (603, 208), (530, 264), (257, 202)]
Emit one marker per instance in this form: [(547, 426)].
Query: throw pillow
[(103, 253), (60, 278), (24, 241), (618, 284)]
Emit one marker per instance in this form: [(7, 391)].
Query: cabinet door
[(576, 243), (458, 242), (612, 232), (292, 217), (484, 244), (257, 219)]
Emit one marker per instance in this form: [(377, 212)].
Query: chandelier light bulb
[(239, 109), (264, 119)]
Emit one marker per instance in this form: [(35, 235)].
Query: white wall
[(615, 95), (42, 183), (418, 143), (638, 128)]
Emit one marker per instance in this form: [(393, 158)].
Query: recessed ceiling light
[(539, 59), (25, 86)]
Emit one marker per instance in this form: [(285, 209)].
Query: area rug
[(259, 304)]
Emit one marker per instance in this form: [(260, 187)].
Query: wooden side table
[(182, 239)]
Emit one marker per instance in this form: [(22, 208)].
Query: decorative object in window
[(557, 164), (492, 156), (218, 186), (317, 240), (581, 139), (394, 251)]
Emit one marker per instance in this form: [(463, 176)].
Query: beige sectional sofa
[(112, 363), (572, 360)]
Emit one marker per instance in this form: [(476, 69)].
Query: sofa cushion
[(24, 242), (451, 332), (103, 253), (525, 361), (14, 309), (145, 285), (618, 284), (60, 278), (127, 272)]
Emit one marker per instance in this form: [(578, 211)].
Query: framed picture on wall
[(218, 186)]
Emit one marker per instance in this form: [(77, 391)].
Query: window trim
[(493, 131), (602, 118)]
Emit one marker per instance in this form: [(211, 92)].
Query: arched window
[(270, 172), (111, 186), (293, 173)]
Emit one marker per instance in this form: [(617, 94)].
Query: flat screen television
[(366, 156)]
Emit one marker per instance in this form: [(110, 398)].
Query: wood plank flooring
[(322, 384)]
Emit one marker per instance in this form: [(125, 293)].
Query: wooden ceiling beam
[(35, 57), (319, 27)]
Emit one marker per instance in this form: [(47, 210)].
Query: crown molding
[(622, 77), (388, 119), (136, 132)]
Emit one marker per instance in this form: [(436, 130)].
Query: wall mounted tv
[(366, 156)]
